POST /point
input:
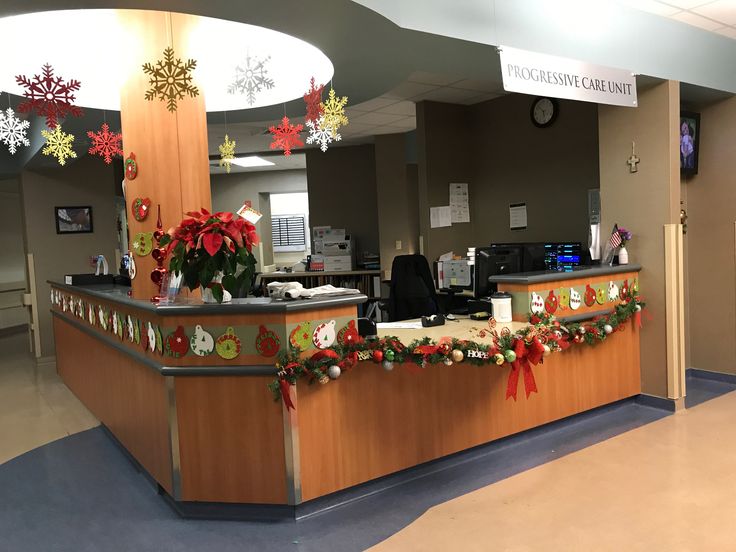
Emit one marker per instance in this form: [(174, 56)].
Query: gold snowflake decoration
[(334, 112), (58, 144), (227, 153), (171, 80)]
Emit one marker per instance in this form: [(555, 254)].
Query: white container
[(623, 256), (501, 303)]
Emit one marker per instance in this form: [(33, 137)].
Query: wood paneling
[(129, 398), (370, 422), (231, 440)]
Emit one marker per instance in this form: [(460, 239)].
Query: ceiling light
[(251, 161)]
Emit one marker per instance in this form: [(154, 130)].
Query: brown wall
[(644, 202), (397, 199), (506, 159), (711, 208), (86, 182), (342, 192)]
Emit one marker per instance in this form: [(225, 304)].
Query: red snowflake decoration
[(286, 136), (49, 96), (105, 143), (313, 99)]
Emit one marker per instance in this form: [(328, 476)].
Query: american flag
[(615, 240)]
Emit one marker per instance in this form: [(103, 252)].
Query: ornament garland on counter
[(519, 350)]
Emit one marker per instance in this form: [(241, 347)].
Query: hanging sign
[(544, 75)]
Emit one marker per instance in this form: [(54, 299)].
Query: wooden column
[(170, 147)]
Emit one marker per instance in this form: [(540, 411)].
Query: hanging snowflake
[(13, 130), (313, 99), (49, 96), (321, 134), (58, 144), (334, 111), (170, 80), (286, 136), (105, 143), (251, 77), (227, 153)]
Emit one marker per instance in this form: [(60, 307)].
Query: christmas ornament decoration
[(447, 362), (201, 343), (301, 336), (59, 144), (170, 79), (601, 294), (13, 131), (102, 318), (324, 379), (564, 301), (348, 334), (624, 289), (388, 365), (550, 303), (499, 359), (228, 345), (143, 243), (227, 153), (612, 291), (608, 329), (267, 342), (251, 77), (129, 328), (320, 133), (333, 111), (574, 299), (159, 340), (121, 327), (151, 337), (91, 314), (334, 372), (581, 330), (158, 273), (106, 144), (177, 343), (547, 350), (509, 355), (389, 355), (131, 167), (367, 355), (114, 322), (137, 332), (286, 136), (324, 335), (378, 355), (48, 95), (457, 355), (140, 208), (589, 296), (313, 101), (132, 269), (537, 303)]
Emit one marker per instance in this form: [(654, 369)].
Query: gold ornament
[(227, 153), (170, 79), (499, 359), (333, 109), (457, 355), (324, 379), (59, 144)]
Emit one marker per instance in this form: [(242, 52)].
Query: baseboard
[(46, 361), (652, 401), (709, 375), (13, 330)]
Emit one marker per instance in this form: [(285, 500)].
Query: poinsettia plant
[(206, 247)]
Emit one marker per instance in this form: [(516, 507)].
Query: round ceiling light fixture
[(239, 66)]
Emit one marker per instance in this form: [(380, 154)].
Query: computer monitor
[(494, 260), (563, 256)]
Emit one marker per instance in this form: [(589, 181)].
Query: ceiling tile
[(374, 104), (448, 95), (697, 21), (720, 10), (730, 32), (406, 123), (405, 107), (432, 78), (482, 98), (479, 85), (375, 118), (651, 6), (685, 4), (408, 90)]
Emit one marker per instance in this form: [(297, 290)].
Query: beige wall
[(711, 207), (342, 192), (13, 267), (230, 191), (86, 182), (506, 159), (644, 202), (397, 199)]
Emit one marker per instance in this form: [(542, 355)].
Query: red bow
[(285, 394), (521, 364)]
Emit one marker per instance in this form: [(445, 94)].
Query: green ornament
[(389, 355), (509, 355)]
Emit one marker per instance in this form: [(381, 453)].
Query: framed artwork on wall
[(689, 142), (73, 220)]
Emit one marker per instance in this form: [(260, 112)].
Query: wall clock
[(544, 112)]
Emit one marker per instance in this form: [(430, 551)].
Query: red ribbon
[(637, 318), (530, 384), (285, 394), (327, 353)]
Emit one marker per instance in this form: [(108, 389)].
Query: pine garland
[(543, 336)]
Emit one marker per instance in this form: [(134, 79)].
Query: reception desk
[(207, 429)]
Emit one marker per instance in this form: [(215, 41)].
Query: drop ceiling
[(718, 16)]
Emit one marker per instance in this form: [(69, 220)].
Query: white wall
[(12, 269)]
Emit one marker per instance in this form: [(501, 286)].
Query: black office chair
[(412, 292)]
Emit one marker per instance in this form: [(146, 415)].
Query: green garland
[(544, 331)]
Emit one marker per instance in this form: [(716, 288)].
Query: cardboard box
[(338, 264)]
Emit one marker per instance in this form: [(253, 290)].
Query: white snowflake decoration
[(251, 77), (13, 130), (322, 135)]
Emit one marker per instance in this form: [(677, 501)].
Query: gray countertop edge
[(236, 370), (584, 316), (550, 276), (118, 294)]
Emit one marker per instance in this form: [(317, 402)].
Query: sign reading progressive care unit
[(544, 75)]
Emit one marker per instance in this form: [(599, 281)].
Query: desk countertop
[(554, 276), (462, 328)]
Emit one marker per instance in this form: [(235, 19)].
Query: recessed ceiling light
[(251, 161)]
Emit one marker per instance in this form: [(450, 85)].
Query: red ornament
[(624, 293), (313, 99), (348, 334), (106, 144), (551, 303), (377, 355), (140, 208), (267, 342), (131, 167), (49, 96), (589, 295), (286, 136), (159, 255), (177, 343)]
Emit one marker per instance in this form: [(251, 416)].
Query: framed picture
[(689, 142), (73, 220)]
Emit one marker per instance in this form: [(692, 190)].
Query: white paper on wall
[(459, 202)]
